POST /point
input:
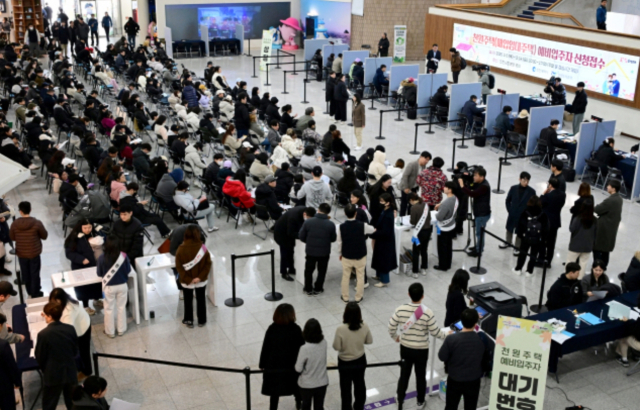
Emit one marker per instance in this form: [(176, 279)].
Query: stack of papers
[(597, 294), (618, 311), (561, 337)]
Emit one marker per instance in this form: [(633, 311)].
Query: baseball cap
[(246, 144), (269, 179), (6, 288), (317, 171)]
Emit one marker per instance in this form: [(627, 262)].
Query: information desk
[(627, 167), (587, 336), (90, 276), (527, 103), (160, 262)]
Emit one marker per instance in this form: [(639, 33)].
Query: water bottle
[(577, 322)]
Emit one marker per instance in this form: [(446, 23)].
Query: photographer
[(463, 199), (480, 191), (485, 79), (557, 91)]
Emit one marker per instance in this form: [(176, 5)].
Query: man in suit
[(550, 136), (433, 59), (56, 350), (10, 376), (516, 203), (285, 232), (609, 214), (470, 109), (552, 203), (556, 172)]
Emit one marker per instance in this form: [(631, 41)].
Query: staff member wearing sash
[(193, 262), (114, 268), (446, 224), (410, 326)]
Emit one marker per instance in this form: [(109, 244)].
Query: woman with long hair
[(114, 268), (287, 118), (531, 240), (255, 98), (312, 366), (338, 146), (584, 193), (159, 128), (81, 247), (383, 186), (420, 218), (455, 297), (349, 342), (231, 143), (280, 348), (358, 116), (583, 235), (595, 280), (76, 316), (360, 201), (264, 103), (383, 240), (348, 183), (119, 184), (193, 262)]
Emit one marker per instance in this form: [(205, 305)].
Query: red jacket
[(431, 181), (236, 189)]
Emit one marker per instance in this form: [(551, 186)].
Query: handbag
[(165, 246)]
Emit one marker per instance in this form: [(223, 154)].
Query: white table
[(162, 261), (89, 276), (398, 230), (35, 321)]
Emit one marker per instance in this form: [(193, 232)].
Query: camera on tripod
[(550, 83), (465, 173), (478, 67)]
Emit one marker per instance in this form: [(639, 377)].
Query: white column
[(143, 20)]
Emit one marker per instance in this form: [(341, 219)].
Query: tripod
[(471, 227)]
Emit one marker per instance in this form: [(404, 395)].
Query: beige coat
[(259, 170), (358, 115), (293, 147), (377, 167)]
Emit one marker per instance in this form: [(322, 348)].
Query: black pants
[(273, 400), (309, 267), (457, 390), (286, 259), (106, 33), (201, 303), (445, 249), (87, 292), (315, 396), (602, 255), (95, 34), (420, 252), (417, 358), (30, 271), (84, 346), (353, 377), (7, 398), (332, 108), (155, 219), (341, 110), (455, 76), (547, 250), (405, 206), (526, 248), (51, 396), (602, 26)]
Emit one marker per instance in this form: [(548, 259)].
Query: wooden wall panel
[(439, 29)]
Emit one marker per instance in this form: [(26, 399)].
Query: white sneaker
[(422, 406), (8, 258), (415, 276), (517, 272), (423, 272), (34, 166), (380, 285), (215, 228), (358, 148), (529, 274), (366, 285), (31, 178)]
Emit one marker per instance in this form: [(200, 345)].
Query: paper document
[(597, 294), (562, 132), (618, 310), (136, 141), (561, 337), (118, 404), (633, 315), (35, 317), (406, 220), (285, 206), (61, 146)]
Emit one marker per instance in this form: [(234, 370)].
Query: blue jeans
[(481, 222), (132, 41), (242, 133), (148, 127), (384, 277), (267, 144)]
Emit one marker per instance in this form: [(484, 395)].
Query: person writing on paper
[(606, 156), (566, 291), (114, 268), (632, 341), (595, 280), (90, 396), (193, 262), (433, 59)]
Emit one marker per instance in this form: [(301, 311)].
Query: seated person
[(470, 110), (596, 280), (606, 156), (550, 135), (128, 197), (379, 79), (440, 98), (632, 341), (566, 291), (179, 146), (521, 124), (632, 276), (503, 122), (11, 149), (266, 196)]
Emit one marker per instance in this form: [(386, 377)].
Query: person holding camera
[(557, 91), (480, 191)]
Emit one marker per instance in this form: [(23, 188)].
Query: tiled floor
[(233, 336)]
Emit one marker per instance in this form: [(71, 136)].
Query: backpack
[(533, 234), (463, 63), (492, 81)]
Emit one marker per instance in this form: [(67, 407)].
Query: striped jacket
[(417, 337)]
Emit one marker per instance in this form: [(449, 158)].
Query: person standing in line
[(352, 248), (456, 64), (516, 204), (601, 16), (408, 182), (193, 262), (73, 314), (583, 236), (578, 108), (285, 233), (532, 229), (49, 12), (312, 366), (421, 221), (446, 224), (552, 201), (349, 342), (278, 356), (556, 172), (56, 351), (384, 242), (330, 88), (431, 182), (10, 375), (455, 303), (317, 233), (481, 194), (114, 268), (383, 45), (609, 214), (410, 326), (433, 59), (107, 23), (341, 96), (28, 233), (358, 116), (464, 354)]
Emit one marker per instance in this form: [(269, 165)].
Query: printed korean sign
[(400, 44), (520, 364), (602, 71), (267, 40)]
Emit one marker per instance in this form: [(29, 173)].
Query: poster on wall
[(88, 8), (602, 71), (333, 18), (399, 44), (267, 39), (520, 364)]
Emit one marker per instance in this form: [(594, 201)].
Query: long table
[(627, 167), (587, 336), (527, 103)]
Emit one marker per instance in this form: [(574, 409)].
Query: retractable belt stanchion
[(261, 58), (304, 100), (248, 54), (233, 301), (273, 296), (498, 190), (479, 270)]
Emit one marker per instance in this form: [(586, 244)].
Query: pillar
[(143, 20)]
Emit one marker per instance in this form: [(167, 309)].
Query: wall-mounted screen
[(221, 19), (602, 71)]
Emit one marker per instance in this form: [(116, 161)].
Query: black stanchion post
[(304, 100), (415, 142), (254, 68), (429, 130), (96, 367), (277, 58), (247, 381), (372, 107), (498, 190), (267, 83), (233, 301), (249, 47), (506, 153), (464, 131), (284, 78), (479, 270), (399, 115), (380, 137), (540, 308), (273, 296), (326, 111), (453, 156), (350, 124), (294, 65)]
